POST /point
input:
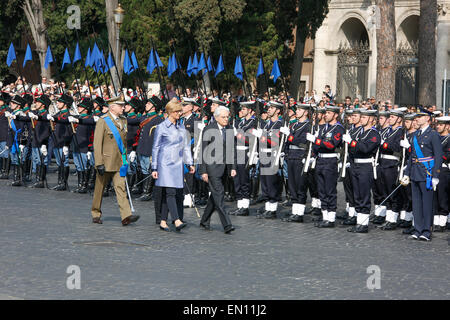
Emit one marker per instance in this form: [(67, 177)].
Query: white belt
[(266, 150), (389, 157), (328, 155), (365, 160), (444, 165), (241, 148), (296, 147)]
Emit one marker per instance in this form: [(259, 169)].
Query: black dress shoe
[(359, 229), (167, 229), (379, 220), (316, 211), (350, 221), (130, 219), (243, 212), (270, 214), (293, 218), (97, 220), (342, 216), (229, 229), (205, 227), (409, 230), (317, 219), (325, 224), (389, 226), (405, 224), (181, 226), (438, 229)]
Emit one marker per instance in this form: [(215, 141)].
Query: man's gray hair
[(219, 109)]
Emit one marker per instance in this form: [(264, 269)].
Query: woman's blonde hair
[(173, 105)]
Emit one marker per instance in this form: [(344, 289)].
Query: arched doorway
[(406, 77), (353, 60)]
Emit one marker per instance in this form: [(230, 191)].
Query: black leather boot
[(91, 179), (6, 168), (17, 175), (80, 182), (147, 188), (138, 188), (254, 185), (41, 173), (26, 171), (83, 187)]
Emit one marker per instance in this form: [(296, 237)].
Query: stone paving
[(43, 232)]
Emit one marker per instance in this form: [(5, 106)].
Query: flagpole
[(158, 71), (282, 79), (54, 60), (196, 83), (265, 74), (98, 79), (84, 68), (138, 74), (115, 64), (76, 76), (223, 58), (104, 77)]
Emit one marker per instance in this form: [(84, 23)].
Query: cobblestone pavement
[(44, 231)]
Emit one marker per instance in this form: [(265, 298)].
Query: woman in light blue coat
[(171, 151)]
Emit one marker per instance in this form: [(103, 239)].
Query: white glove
[(65, 151), (435, 182), (339, 166), (44, 150), (132, 156), (282, 156), (347, 138), (405, 143), (73, 119), (7, 114), (201, 125), (21, 147), (404, 181), (310, 137), (89, 155), (285, 130), (257, 133), (50, 118), (32, 115), (235, 131), (96, 118), (347, 165)]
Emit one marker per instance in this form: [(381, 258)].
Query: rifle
[(313, 130), (253, 154), (162, 84), (245, 74), (200, 137), (84, 68), (400, 176), (344, 161), (104, 77), (375, 160)]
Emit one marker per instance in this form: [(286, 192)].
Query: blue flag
[(210, 65), (151, 64), (127, 66), (238, 70), (220, 66), (201, 62), (48, 58), (11, 55), (110, 61), (172, 65), (158, 60), (260, 68), (275, 71), (189, 67), (134, 60), (77, 54), (195, 64), (28, 56), (104, 64), (88, 58), (66, 59)]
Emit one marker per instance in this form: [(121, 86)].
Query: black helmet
[(87, 104)]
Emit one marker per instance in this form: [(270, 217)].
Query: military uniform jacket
[(41, 131), (354, 134), (366, 145), (106, 151), (329, 138), (146, 135), (445, 141), (133, 127), (242, 127), (430, 144), (296, 143), (270, 138), (84, 130), (63, 130), (391, 147), (3, 123), (21, 125)]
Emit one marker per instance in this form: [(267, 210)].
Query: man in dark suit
[(215, 165)]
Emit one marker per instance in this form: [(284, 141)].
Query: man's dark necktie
[(224, 137)]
